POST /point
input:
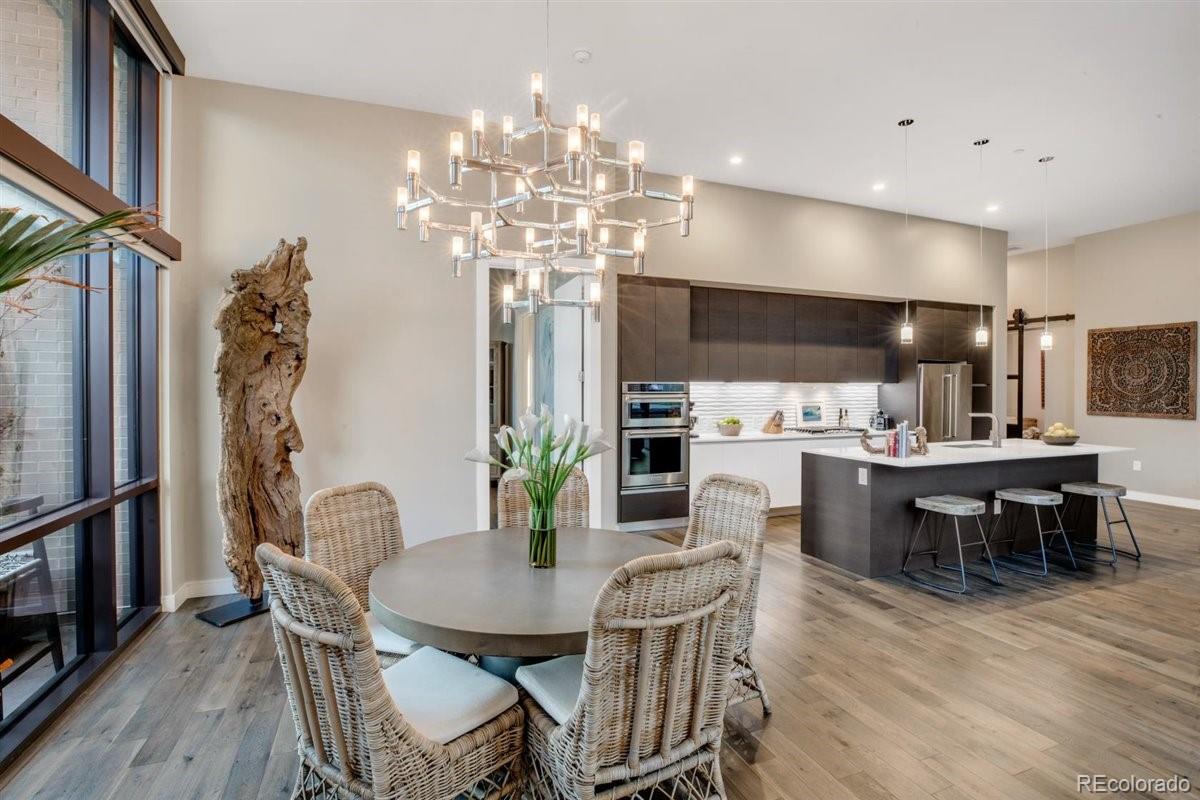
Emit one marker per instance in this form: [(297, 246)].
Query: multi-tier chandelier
[(531, 197)]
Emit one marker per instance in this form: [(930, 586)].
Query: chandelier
[(561, 208)]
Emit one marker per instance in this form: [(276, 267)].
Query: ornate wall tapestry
[(1143, 371), (263, 324)]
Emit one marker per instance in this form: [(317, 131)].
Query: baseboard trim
[(1164, 499), (210, 588)]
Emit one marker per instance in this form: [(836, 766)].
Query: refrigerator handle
[(947, 424), (954, 415)]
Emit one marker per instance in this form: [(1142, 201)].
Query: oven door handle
[(655, 433)]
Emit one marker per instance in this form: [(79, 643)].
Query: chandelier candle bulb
[(456, 159), (535, 94), (530, 237), (581, 115), (600, 263), (601, 183), (401, 211), (476, 133), (414, 173), (685, 225), (639, 251), (507, 306), (637, 158), (506, 135), (603, 237), (423, 224), (594, 296), (574, 148), (583, 220), (456, 251), (476, 232), (519, 190), (687, 189)]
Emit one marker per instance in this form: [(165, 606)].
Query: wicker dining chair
[(350, 530), (728, 507), (353, 739), (640, 714), (570, 507)]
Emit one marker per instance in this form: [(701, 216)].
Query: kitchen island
[(858, 507)]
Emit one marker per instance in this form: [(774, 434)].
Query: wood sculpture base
[(238, 610)]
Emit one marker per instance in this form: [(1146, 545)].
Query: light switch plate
[(996, 506), (1137, 466), (862, 476)]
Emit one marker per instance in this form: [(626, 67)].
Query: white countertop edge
[(759, 436), (943, 454)]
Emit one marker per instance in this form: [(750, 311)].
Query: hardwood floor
[(881, 690)]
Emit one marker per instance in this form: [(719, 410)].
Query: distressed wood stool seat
[(952, 506), (1036, 498), (1103, 492)]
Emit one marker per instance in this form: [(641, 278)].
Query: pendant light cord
[(907, 238), (981, 201), (1046, 241)]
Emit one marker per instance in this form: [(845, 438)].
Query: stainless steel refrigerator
[(944, 401)]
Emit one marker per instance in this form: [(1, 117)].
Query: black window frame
[(100, 631)]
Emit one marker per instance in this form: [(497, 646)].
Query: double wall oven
[(654, 450)]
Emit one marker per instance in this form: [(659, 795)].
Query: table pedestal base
[(506, 666)]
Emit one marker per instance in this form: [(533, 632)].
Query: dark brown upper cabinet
[(698, 357), (672, 326), (812, 339), (752, 336), (723, 314), (878, 342), (781, 337), (653, 329), (843, 341)]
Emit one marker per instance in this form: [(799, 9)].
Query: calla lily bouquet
[(542, 459)]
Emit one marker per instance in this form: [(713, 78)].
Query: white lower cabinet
[(775, 463)]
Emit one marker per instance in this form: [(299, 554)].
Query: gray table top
[(476, 593)]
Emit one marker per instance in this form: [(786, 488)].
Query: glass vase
[(543, 537)]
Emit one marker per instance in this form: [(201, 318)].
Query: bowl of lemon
[(1060, 435)]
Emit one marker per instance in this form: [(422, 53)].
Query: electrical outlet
[(996, 506), (1137, 465), (862, 476)]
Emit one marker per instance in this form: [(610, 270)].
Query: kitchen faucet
[(994, 435)]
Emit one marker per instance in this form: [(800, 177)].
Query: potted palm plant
[(543, 460)]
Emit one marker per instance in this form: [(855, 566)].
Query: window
[(41, 380), (40, 59), (79, 557)]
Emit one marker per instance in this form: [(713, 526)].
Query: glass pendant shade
[(906, 333), (981, 336), (1047, 340)]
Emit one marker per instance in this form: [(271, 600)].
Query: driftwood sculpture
[(263, 350)]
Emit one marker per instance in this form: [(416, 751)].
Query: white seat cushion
[(554, 684), (388, 642), (444, 697)]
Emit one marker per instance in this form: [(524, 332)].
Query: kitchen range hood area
[(834, 366)]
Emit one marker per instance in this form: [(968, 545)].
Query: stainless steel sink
[(974, 444)]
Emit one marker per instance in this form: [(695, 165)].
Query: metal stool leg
[(913, 545), (1137, 550), (987, 551), (1066, 539), (1112, 545), (1011, 526), (935, 545)]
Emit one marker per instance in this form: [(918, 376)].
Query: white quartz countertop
[(759, 436), (945, 453)]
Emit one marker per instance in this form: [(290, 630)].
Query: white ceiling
[(808, 93)]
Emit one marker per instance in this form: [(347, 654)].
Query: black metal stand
[(238, 610)]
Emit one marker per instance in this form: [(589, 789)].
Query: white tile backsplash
[(754, 403)]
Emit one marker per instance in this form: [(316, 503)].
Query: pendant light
[(1047, 338), (906, 329), (981, 333)]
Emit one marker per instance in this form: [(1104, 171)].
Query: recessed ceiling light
[(735, 160), (1018, 151), (878, 186), (583, 56), (993, 207)]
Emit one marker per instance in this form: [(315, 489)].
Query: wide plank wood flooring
[(881, 690)]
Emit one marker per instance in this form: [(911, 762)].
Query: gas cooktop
[(818, 429)]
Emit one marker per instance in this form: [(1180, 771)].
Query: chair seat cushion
[(554, 684), (444, 697), (387, 641), (1032, 497), (954, 504), (1094, 489)]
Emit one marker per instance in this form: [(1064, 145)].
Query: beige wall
[(1140, 275), (1026, 289), (389, 394)]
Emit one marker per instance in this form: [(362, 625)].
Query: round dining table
[(476, 593)]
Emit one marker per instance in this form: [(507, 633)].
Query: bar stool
[(1103, 491), (1036, 498), (953, 506)]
